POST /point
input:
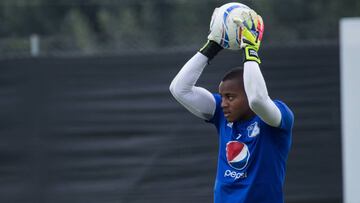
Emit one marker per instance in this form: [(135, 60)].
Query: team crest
[(253, 130)]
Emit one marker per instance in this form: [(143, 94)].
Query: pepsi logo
[(237, 154)]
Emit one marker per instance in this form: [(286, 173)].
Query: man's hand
[(212, 46), (252, 31), (215, 33)]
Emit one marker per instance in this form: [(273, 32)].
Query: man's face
[(234, 101)]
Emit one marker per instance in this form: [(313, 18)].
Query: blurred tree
[(121, 26), (134, 24), (78, 27)]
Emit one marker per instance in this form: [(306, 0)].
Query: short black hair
[(235, 73)]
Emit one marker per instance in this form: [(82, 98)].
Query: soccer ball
[(222, 28)]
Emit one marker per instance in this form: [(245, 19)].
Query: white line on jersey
[(239, 136)]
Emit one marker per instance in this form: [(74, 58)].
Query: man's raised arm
[(197, 100), (254, 83)]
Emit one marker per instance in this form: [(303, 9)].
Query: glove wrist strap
[(210, 49), (251, 54)]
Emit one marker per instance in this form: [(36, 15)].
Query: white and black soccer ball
[(222, 28)]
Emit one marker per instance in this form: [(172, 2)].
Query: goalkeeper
[(254, 130)]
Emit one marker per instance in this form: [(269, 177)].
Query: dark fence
[(84, 130)]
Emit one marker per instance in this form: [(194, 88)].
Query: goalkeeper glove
[(252, 31), (212, 46)]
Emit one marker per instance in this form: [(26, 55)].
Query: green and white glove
[(252, 32)]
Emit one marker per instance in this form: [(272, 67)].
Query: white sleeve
[(197, 100), (257, 94)]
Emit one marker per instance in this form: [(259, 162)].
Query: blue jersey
[(252, 157)]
